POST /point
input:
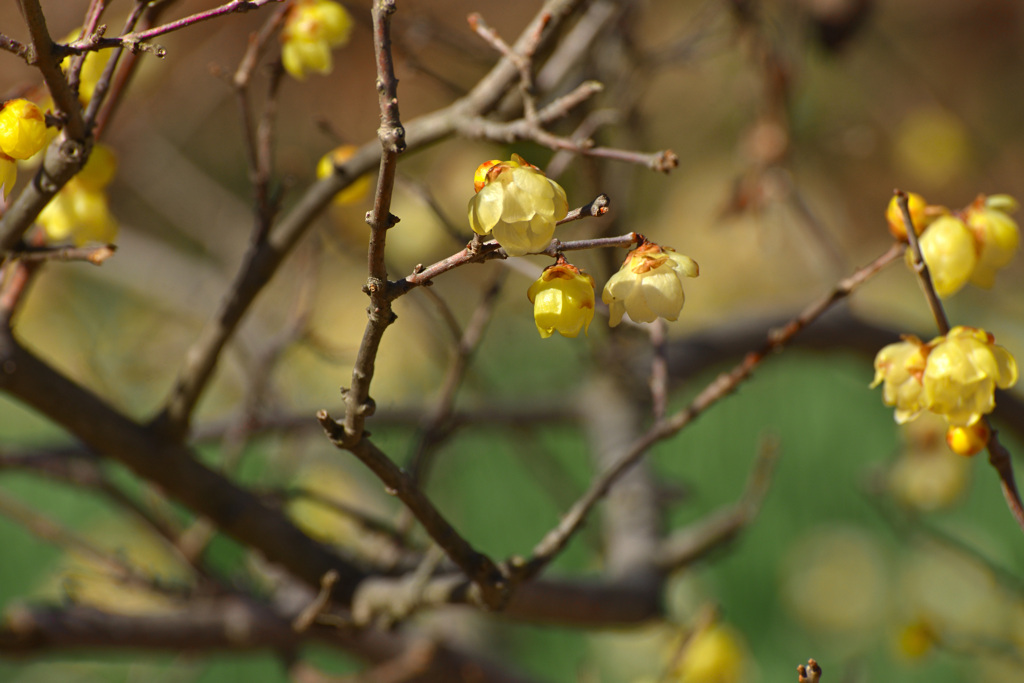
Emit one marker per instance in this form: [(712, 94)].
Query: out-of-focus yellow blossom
[(563, 300), (996, 235), (8, 174), (92, 68), (901, 366), (918, 216), (916, 639), (22, 129), (926, 475), (79, 212), (715, 655), (962, 373), (649, 285), (311, 29), (969, 440), (949, 251), (357, 189), (516, 204)]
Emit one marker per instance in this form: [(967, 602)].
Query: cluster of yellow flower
[(517, 205), (311, 29), (963, 246), (954, 376), (22, 135)]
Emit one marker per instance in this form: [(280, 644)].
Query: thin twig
[(921, 268)]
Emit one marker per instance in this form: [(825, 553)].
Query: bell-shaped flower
[(901, 367), (79, 212), (357, 189), (963, 370), (563, 300), (649, 285), (949, 252), (22, 129), (311, 29), (517, 205), (996, 235)]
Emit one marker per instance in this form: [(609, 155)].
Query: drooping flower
[(969, 440), (22, 129), (918, 215), (949, 252), (311, 29), (79, 212), (516, 204), (357, 189), (563, 300), (901, 367), (649, 285), (963, 370), (996, 235)]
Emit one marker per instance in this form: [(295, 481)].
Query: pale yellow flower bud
[(517, 205), (996, 235), (948, 248), (563, 300), (649, 285), (970, 440), (918, 216)]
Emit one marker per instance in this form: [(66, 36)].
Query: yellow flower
[(918, 216), (357, 189), (92, 68), (22, 129), (948, 248), (715, 655), (78, 214), (970, 440), (996, 235), (516, 204), (8, 173), (962, 373), (563, 300), (649, 285), (901, 367), (311, 29)]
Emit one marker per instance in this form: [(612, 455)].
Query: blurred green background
[(876, 552)]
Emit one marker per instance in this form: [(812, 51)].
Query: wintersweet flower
[(563, 300), (22, 129), (311, 29), (918, 215), (949, 252), (970, 440), (649, 285), (92, 68), (516, 204), (901, 367), (8, 174), (79, 212), (996, 235), (963, 370), (357, 189)]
